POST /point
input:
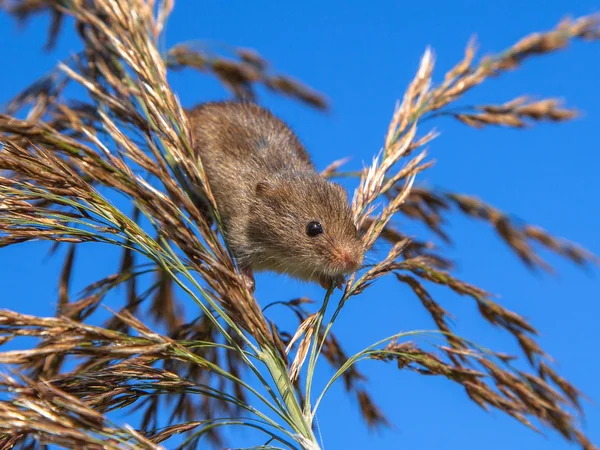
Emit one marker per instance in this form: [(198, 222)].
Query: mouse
[(277, 212)]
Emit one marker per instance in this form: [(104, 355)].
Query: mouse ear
[(265, 189), (341, 190), (273, 191)]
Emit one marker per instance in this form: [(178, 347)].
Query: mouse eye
[(314, 229)]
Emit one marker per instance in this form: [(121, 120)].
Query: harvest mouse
[(277, 212)]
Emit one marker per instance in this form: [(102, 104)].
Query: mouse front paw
[(326, 281), (248, 278)]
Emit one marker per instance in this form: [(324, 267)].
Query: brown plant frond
[(428, 207), (106, 384), (164, 308), (242, 74), (52, 364), (125, 383), (466, 75), (413, 247), (490, 310), (197, 336), (38, 410), (409, 356), (23, 10), (65, 279), (68, 337), (439, 315), (521, 395), (400, 141), (371, 413), (432, 206), (332, 168), (520, 237), (172, 430), (337, 357), (515, 113)]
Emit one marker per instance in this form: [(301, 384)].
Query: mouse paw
[(326, 281), (248, 278)]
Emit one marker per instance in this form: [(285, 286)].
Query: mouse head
[(303, 226)]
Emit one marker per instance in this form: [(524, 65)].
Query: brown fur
[(267, 191)]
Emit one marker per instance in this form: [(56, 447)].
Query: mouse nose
[(350, 261)]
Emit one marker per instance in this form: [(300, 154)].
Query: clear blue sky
[(362, 55)]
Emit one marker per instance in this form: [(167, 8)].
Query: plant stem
[(283, 384)]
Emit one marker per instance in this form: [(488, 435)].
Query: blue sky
[(363, 55)]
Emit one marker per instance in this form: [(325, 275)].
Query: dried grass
[(60, 155)]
